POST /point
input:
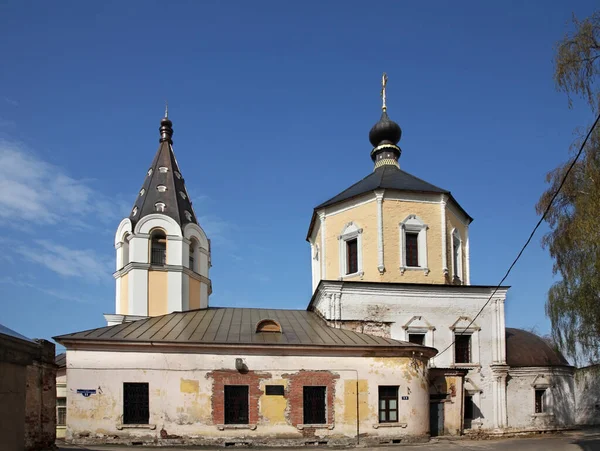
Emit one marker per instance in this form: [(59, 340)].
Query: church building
[(395, 344)]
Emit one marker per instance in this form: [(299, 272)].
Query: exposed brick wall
[(220, 378), (295, 395)]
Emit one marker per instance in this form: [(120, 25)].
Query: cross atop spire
[(166, 109), (384, 79)]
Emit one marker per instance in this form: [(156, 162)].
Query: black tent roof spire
[(166, 127), (385, 135), (163, 190)]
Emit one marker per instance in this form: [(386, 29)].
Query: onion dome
[(385, 135), (386, 131)]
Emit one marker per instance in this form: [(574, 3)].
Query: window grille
[(136, 409), (236, 404), (314, 405), (388, 404), (462, 348), (61, 411)]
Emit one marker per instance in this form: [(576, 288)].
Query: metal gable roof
[(233, 326)]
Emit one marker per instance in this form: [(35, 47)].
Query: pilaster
[(444, 233), (175, 291), (323, 232), (380, 260), (499, 374), (467, 258), (138, 292)]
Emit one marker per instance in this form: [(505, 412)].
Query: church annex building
[(390, 348)]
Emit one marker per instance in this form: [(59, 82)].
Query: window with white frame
[(465, 342), (413, 244), (350, 250), (457, 271)]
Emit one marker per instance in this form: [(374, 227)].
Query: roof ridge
[(347, 189), (424, 181)]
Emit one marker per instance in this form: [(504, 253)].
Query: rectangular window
[(388, 404), (468, 407), (412, 249), (314, 405), (352, 256), (275, 390), (418, 339), (61, 411), (136, 409), (540, 400), (456, 259), (236, 404), (462, 348)]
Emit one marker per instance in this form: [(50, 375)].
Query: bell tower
[(162, 253)]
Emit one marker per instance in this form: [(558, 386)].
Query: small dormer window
[(163, 169), (182, 194), (142, 192), (150, 172), (161, 188), (160, 207), (268, 325), (177, 174), (134, 211), (188, 215)]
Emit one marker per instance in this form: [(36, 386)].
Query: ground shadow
[(591, 444)]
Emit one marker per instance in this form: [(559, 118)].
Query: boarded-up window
[(236, 404), (412, 249), (388, 404), (314, 405), (136, 409)]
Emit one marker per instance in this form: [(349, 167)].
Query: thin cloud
[(84, 263), (218, 230), (32, 189), (48, 291)]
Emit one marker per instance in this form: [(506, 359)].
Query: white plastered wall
[(440, 307)]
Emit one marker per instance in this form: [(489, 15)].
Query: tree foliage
[(573, 303)]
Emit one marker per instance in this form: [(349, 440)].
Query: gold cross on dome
[(384, 80)]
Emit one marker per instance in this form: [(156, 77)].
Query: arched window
[(158, 252), (268, 325), (192, 262)]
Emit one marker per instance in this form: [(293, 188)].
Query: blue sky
[(271, 104)]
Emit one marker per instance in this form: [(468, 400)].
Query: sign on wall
[(86, 392)]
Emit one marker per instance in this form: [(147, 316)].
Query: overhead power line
[(555, 195)]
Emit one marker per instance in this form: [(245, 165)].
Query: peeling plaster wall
[(185, 398), (433, 310), (520, 394)]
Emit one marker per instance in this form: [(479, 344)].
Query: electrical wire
[(564, 179)]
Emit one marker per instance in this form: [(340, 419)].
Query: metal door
[(436, 419)]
